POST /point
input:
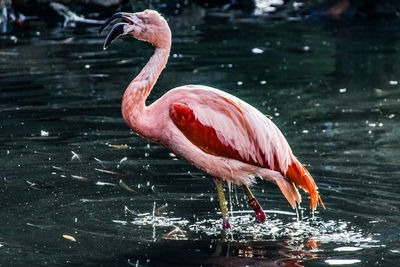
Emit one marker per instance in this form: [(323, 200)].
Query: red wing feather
[(202, 136)]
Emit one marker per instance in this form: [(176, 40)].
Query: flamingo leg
[(222, 203), (260, 214)]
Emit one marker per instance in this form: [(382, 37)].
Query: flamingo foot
[(259, 212), (225, 224)]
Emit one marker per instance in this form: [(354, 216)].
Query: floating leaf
[(71, 238)]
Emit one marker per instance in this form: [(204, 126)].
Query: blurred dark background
[(68, 11)]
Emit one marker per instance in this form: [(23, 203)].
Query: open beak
[(118, 29)]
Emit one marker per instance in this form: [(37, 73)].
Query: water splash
[(280, 225), (299, 212), (277, 228)]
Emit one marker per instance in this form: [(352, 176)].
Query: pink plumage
[(215, 131)]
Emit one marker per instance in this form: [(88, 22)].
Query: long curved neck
[(134, 100)]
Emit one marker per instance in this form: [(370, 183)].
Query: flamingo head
[(147, 26)]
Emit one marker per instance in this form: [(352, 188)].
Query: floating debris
[(58, 168), (342, 262), (393, 82), (75, 156), (257, 50), (84, 200), (177, 233), (133, 264), (123, 159), (345, 249), (110, 172), (44, 133), (80, 178), (342, 90), (120, 222), (130, 211), (33, 185), (34, 225), (98, 160), (119, 146), (124, 186), (104, 183), (71, 238)]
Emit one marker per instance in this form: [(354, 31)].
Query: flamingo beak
[(118, 29)]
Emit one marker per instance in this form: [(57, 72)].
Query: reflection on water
[(78, 187)]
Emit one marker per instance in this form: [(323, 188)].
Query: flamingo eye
[(146, 21)]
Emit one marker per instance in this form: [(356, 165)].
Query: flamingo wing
[(223, 125)]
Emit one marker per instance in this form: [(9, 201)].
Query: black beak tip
[(106, 44), (114, 33)]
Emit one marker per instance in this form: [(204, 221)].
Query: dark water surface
[(71, 169)]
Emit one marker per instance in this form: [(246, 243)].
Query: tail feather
[(289, 191), (298, 174)]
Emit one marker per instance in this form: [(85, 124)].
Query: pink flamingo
[(215, 131)]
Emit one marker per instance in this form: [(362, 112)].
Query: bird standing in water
[(213, 130)]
